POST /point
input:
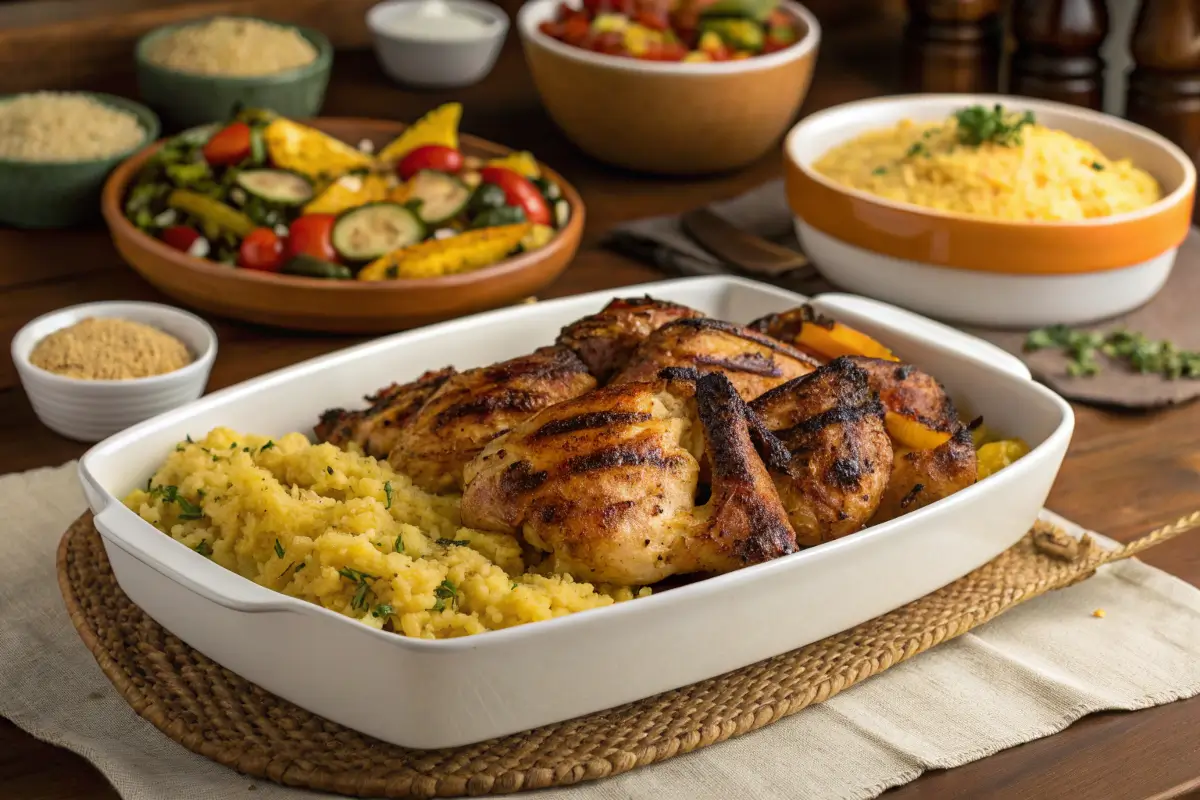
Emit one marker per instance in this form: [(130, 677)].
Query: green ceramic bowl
[(61, 194), (186, 99)]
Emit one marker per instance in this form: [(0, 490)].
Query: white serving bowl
[(982, 271), (89, 411), (436, 61)]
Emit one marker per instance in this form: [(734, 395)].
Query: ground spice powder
[(108, 349)]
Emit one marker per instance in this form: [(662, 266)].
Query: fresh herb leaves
[(879, 171), (359, 601), (387, 490), (446, 591), (203, 549), (398, 546), (979, 124), (453, 542), (381, 610), (1096, 165), (1140, 353), (270, 443), (278, 549), (170, 494), (916, 149)]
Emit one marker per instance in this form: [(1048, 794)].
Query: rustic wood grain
[(1124, 474)]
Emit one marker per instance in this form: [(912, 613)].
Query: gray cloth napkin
[(1025, 675), (764, 212)]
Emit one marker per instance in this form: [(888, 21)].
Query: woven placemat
[(214, 712)]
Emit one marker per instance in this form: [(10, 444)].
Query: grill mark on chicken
[(507, 400), (746, 333), (616, 457), (834, 416), (377, 427), (753, 363), (583, 422), (520, 478)]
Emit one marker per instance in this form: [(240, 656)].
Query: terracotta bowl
[(981, 271), (669, 118), (338, 306)]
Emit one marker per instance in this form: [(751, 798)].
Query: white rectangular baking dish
[(428, 694)]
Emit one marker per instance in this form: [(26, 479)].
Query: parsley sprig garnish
[(453, 542), (1140, 353), (979, 124), (170, 494), (387, 491), (446, 591), (359, 601)]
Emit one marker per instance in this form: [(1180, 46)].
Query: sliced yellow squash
[(995, 456), (436, 257), (310, 152), (349, 191), (522, 163), (439, 126)]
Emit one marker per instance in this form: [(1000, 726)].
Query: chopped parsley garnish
[(916, 149), (188, 438), (513, 586), (879, 171), (302, 566), (453, 542), (1140, 353), (216, 458), (359, 601), (245, 449), (329, 470), (203, 549), (979, 124), (381, 610), (233, 446), (179, 448), (445, 591), (398, 547), (270, 443), (387, 490), (1096, 165), (170, 494), (278, 549)]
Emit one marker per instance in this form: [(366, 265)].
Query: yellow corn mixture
[(1047, 176), (346, 532)]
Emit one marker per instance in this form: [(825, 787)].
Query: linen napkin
[(1025, 675), (764, 212)]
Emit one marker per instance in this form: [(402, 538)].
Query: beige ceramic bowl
[(669, 118)]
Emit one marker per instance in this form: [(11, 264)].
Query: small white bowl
[(89, 411), (430, 59)]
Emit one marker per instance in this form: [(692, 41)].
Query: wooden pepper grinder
[(952, 46), (1164, 87), (1058, 50)]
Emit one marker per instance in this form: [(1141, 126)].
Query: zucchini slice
[(375, 229), (442, 197), (276, 186)]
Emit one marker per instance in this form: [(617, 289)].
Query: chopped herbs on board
[(1137, 351)]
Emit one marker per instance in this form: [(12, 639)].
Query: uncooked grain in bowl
[(232, 47), (56, 126), (98, 349)]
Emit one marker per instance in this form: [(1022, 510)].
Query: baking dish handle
[(865, 314), (159, 552)]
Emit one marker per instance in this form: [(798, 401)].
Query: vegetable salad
[(675, 30), (266, 193)]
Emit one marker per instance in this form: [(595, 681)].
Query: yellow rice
[(234, 46), (345, 531), (1048, 176)]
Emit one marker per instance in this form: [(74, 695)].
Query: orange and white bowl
[(985, 271)]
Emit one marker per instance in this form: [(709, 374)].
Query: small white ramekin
[(437, 62), (89, 411)]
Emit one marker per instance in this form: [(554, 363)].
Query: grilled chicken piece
[(377, 428), (838, 456), (471, 408), (754, 363), (606, 340), (607, 484), (920, 477)]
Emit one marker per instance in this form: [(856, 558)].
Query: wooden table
[(1125, 473)]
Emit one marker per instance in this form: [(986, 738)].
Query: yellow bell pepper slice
[(837, 340), (522, 163), (310, 152), (439, 126), (349, 191), (995, 456), (912, 433), (436, 257)]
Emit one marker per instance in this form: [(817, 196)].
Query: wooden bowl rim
[(119, 226)]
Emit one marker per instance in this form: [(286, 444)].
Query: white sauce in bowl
[(433, 20)]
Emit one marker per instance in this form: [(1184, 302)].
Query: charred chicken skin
[(754, 363), (608, 484), (377, 428), (920, 476), (606, 340), (471, 408), (838, 456)]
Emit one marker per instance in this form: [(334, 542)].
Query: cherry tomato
[(228, 146), (654, 20), (181, 237), (262, 249), (520, 192), (312, 235), (609, 42), (576, 29), (432, 156)]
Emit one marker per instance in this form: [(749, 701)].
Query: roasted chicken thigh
[(377, 428), (608, 484), (754, 363), (606, 340)]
